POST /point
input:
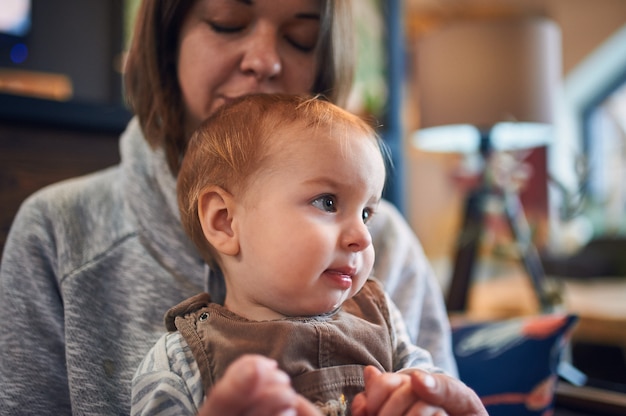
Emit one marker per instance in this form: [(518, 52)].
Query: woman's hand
[(417, 393), (451, 394)]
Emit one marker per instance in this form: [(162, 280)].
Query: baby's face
[(305, 243)]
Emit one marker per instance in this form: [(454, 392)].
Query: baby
[(277, 191)]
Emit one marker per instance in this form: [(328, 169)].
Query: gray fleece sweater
[(92, 264)]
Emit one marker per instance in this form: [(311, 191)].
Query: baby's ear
[(215, 208)]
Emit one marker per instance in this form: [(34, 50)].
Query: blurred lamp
[(485, 86)]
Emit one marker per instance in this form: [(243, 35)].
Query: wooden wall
[(35, 155)]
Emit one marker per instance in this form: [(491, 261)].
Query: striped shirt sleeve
[(167, 381)]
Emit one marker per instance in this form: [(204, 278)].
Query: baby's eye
[(326, 203), (367, 215)]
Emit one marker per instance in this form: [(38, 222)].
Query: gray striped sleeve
[(167, 381)]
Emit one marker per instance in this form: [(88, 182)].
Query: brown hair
[(226, 152), (150, 74)]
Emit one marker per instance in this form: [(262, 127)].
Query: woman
[(91, 264)]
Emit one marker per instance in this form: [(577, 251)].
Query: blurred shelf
[(69, 114)]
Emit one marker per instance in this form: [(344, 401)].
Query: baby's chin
[(344, 297), (312, 310), (301, 306), (335, 304)]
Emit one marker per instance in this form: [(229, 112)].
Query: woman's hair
[(227, 151), (151, 82)]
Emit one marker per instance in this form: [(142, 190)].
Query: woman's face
[(230, 48)]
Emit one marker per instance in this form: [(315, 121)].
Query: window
[(605, 145)]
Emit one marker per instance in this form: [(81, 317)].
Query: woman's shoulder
[(78, 216), (400, 259), (389, 227), (75, 201), (388, 215), (69, 192)]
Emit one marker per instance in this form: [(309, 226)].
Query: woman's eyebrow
[(313, 16)]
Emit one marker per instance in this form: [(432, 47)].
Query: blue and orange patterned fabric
[(512, 364)]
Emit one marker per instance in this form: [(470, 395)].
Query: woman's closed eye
[(303, 34), (301, 46), (220, 27), (304, 45)]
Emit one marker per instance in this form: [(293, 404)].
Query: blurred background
[(494, 70)]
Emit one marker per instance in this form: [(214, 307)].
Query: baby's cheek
[(368, 259)]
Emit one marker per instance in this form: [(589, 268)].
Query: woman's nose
[(356, 236), (261, 57)]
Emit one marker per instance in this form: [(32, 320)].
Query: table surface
[(599, 302), (588, 401)]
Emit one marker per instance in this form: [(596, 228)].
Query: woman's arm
[(33, 375), (406, 355), (408, 278)]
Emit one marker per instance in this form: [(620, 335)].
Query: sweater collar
[(150, 191)]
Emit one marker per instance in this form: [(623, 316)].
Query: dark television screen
[(61, 60)]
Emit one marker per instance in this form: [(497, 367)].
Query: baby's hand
[(255, 385), (390, 394)]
